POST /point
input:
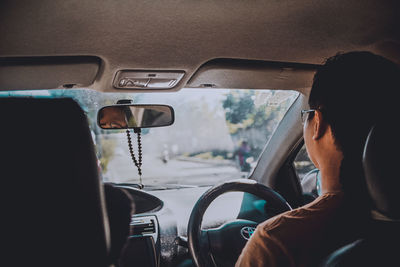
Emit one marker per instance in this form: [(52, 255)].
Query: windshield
[(218, 134)]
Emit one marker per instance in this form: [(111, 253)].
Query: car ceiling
[(187, 36)]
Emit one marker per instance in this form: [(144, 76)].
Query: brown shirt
[(300, 237)]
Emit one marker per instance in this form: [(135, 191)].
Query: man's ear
[(319, 125)]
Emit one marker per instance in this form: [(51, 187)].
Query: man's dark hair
[(353, 91)]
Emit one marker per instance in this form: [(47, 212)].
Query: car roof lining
[(185, 35), (55, 72)]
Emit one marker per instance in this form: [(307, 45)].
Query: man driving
[(344, 104)]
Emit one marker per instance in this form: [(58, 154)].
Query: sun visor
[(26, 73), (253, 74)]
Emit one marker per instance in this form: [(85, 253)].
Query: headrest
[(55, 212), (381, 163)]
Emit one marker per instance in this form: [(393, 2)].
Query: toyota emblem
[(247, 232)]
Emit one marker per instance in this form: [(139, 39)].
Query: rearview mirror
[(135, 116)]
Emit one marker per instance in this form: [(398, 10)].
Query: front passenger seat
[(381, 166), (53, 201)]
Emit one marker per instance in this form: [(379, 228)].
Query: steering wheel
[(227, 241)]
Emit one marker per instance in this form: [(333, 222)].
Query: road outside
[(179, 170)]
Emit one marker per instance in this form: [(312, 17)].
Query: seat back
[(379, 247), (381, 161), (53, 200)]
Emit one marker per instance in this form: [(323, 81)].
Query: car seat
[(53, 201), (380, 246)]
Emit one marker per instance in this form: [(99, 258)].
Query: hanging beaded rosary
[(137, 162)]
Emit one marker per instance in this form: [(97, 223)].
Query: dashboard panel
[(164, 215), (144, 202)]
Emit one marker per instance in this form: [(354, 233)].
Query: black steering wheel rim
[(199, 255)]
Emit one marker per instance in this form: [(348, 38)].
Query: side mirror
[(135, 116)]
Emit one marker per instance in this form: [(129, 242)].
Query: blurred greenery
[(108, 148), (251, 116), (238, 106), (250, 122)]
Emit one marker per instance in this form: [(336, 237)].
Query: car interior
[(189, 111)]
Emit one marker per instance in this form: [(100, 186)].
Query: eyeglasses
[(304, 112)]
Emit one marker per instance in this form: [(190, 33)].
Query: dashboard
[(161, 216)]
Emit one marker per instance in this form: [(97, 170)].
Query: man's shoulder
[(295, 234), (317, 212)]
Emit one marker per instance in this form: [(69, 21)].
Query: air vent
[(144, 226)]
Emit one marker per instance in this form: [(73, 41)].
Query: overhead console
[(48, 72), (253, 74), (140, 79)]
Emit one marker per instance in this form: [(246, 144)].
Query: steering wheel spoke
[(227, 241), (204, 240)]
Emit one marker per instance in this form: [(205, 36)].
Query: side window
[(307, 173), (302, 163)]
